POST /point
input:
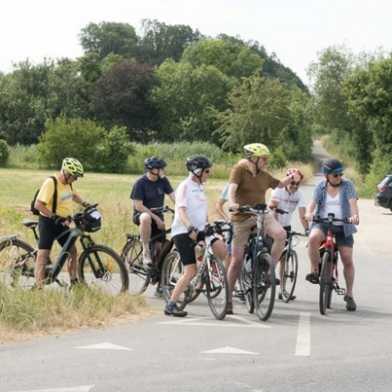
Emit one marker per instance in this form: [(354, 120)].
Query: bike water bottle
[(248, 265)]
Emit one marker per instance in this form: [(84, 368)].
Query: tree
[(187, 97), (259, 111), (230, 57), (122, 97), (160, 41), (109, 37), (328, 75)]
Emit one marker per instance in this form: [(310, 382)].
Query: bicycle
[(257, 277), (210, 279), (328, 270), (289, 267), (132, 253), (97, 264)]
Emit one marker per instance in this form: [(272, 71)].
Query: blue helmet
[(332, 166)]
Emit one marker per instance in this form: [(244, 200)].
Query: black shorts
[(186, 247), (50, 231), (156, 234), (341, 239)]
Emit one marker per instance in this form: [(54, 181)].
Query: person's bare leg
[(42, 259), (145, 236)]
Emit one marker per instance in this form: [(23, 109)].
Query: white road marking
[(82, 388), (229, 350), (104, 346), (303, 335), (207, 322)]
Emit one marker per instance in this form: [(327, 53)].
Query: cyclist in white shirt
[(288, 199), (190, 219)]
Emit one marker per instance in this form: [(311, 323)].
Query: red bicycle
[(328, 268)]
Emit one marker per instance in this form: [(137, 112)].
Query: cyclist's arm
[(354, 211), (77, 199), (140, 207), (220, 210), (172, 197), (286, 181), (301, 213), (274, 203), (186, 222), (310, 210), (43, 209), (231, 194)]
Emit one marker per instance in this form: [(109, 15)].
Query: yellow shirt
[(64, 197)]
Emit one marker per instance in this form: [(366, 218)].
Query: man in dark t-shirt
[(148, 193)]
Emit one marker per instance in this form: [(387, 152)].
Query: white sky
[(296, 30)]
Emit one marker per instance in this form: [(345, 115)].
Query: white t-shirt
[(190, 195), (332, 205), (287, 202)]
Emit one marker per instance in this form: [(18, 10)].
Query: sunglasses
[(336, 175), (293, 183)]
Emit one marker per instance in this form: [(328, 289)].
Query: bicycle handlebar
[(330, 219), (162, 210), (258, 209)]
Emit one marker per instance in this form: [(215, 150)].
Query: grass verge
[(29, 312)]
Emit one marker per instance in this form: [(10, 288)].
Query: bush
[(23, 157), (4, 152), (97, 148)]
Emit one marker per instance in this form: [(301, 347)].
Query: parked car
[(384, 195)]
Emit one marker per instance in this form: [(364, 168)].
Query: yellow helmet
[(73, 167), (256, 150)]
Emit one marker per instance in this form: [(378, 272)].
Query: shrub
[(4, 152)]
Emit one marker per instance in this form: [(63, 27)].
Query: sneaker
[(312, 278), (172, 310), (292, 298), (229, 308), (351, 306)]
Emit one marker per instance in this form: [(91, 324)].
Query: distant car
[(384, 195)]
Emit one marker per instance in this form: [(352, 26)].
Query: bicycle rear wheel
[(264, 286), (245, 280), (216, 287), (325, 283), (132, 254), (17, 262), (290, 272), (172, 270), (102, 267)]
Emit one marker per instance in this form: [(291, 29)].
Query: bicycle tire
[(132, 255), (101, 266), (217, 288), (245, 280), (325, 282), (264, 286), (172, 270), (290, 273), (17, 263)]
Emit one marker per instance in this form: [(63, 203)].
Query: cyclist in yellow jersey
[(53, 222)]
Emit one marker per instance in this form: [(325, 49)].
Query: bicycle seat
[(29, 223)]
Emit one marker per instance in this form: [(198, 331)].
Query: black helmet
[(332, 166), (197, 164), (154, 163)]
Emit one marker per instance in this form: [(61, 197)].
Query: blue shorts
[(340, 238)]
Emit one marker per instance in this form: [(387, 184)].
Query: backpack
[(54, 204)]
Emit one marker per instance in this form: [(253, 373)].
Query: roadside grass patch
[(37, 311)]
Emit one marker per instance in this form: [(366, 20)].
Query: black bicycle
[(328, 269), (141, 276), (289, 267), (98, 265), (257, 277), (210, 279)]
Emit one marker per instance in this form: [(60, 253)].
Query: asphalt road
[(296, 350)]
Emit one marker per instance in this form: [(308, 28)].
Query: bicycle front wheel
[(289, 276), (325, 283), (132, 254), (245, 281), (102, 267), (17, 262), (264, 284), (217, 288)]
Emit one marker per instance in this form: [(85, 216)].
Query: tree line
[(169, 84), (352, 102)]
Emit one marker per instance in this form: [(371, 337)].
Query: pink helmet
[(293, 171)]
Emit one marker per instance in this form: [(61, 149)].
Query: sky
[(296, 30)]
